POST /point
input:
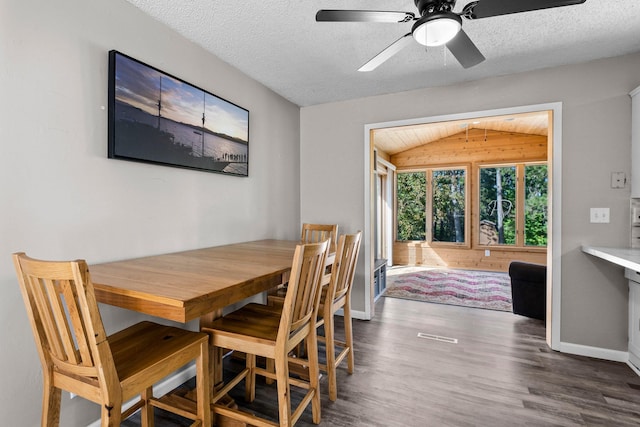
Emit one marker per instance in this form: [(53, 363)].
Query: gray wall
[(596, 141), (63, 199)]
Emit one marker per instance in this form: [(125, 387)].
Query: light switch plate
[(599, 215)]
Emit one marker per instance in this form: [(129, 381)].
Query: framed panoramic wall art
[(158, 118)]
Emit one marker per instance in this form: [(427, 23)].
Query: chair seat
[(146, 346), (264, 310), (244, 322)]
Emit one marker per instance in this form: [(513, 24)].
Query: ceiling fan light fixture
[(436, 29)]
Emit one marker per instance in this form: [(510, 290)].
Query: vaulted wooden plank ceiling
[(394, 140)]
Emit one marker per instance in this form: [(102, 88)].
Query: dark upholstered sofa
[(529, 289)]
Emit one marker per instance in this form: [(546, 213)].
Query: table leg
[(216, 374), (215, 364)]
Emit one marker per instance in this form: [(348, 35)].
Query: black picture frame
[(158, 118)]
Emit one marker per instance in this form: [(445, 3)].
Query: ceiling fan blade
[(326, 15), (387, 53), (486, 8), (465, 50)]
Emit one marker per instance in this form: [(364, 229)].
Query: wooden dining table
[(194, 284), (188, 285)]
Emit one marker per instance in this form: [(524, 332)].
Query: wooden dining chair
[(311, 233), (315, 233), (335, 297), (274, 336), (77, 355)]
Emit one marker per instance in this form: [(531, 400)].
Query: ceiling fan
[(438, 24)]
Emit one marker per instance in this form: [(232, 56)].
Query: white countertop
[(626, 257)]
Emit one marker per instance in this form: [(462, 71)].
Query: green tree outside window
[(411, 206), (448, 210)]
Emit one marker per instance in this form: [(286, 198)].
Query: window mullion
[(520, 201), (429, 206)]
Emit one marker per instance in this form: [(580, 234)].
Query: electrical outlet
[(599, 215), (618, 179)]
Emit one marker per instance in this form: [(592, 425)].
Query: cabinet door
[(634, 323), (635, 142)]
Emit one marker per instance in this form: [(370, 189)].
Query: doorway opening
[(380, 185)]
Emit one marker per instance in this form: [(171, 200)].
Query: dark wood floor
[(500, 373)]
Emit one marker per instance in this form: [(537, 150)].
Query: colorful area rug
[(478, 289)]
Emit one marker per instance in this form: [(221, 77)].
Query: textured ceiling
[(278, 43)]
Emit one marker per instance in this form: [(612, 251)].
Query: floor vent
[(438, 338)]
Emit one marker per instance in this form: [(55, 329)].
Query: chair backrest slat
[(344, 266), (63, 311), (316, 233), (301, 302), (74, 307), (61, 295), (307, 292), (41, 302)]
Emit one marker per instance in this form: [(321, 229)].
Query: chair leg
[(111, 415), (203, 386), (250, 379), (348, 332), (146, 413), (284, 392), (330, 352), (271, 368), (51, 399), (314, 374)]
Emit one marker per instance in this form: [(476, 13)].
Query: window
[(536, 183), (448, 205), (411, 206), (431, 205), (513, 211), (497, 205)]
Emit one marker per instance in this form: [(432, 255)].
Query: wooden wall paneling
[(420, 253)]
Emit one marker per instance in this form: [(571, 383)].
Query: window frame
[(519, 244), (468, 212)]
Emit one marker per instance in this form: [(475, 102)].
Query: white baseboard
[(598, 353), (595, 352), (355, 314), (360, 315), (163, 387)]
